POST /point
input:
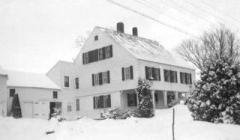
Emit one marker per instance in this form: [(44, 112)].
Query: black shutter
[(109, 100), (186, 78), (153, 74), (146, 72), (171, 76), (108, 76), (93, 80), (159, 74), (94, 102), (165, 75), (111, 51), (181, 77), (175, 73), (104, 53), (131, 72), (100, 56), (96, 55), (100, 78), (190, 78), (83, 58), (128, 99), (123, 73), (156, 96), (101, 102)]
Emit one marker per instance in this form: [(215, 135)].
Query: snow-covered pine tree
[(145, 105), (216, 97), (16, 109)]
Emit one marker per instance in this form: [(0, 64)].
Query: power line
[(155, 7), (217, 16), (208, 5), (151, 18), (181, 8), (204, 10)]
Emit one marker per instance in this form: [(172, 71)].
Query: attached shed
[(39, 96)]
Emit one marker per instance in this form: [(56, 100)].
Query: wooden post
[(173, 122)]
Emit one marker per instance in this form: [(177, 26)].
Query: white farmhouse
[(104, 75), (109, 66), (3, 92)]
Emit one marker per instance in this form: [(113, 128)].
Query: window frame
[(76, 83), (66, 81), (77, 104), (186, 78), (101, 78), (96, 38), (69, 108), (132, 96), (55, 94), (127, 73), (153, 73), (102, 101), (97, 54), (12, 92)]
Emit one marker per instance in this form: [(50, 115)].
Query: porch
[(161, 99)]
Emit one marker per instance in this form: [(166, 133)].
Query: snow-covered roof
[(145, 49), (26, 79)]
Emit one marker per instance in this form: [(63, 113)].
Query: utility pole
[(173, 123)]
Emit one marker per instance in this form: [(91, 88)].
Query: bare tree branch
[(218, 44)]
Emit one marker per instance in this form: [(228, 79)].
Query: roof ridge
[(154, 41), (21, 71), (143, 48)]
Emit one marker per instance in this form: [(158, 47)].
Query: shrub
[(216, 97)]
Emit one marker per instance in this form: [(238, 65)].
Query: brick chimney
[(134, 31), (120, 27)]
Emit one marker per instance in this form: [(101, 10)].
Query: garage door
[(41, 109), (27, 109)]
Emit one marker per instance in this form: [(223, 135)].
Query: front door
[(159, 99), (55, 109)]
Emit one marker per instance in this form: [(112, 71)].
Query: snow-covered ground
[(155, 128)]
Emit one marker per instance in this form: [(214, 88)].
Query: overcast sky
[(35, 34)]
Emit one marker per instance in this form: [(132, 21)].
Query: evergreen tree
[(145, 106), (16, 109), (216, 97)]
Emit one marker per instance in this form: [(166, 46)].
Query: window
[(12, 92), (101, 78), (103, 101), (69, 108), (66, 81), (127, 73), (95, 37), (97, 54), (77, 83), (77, 104), (185, 78), (55, 94), (132, 99), (108, 51), (152, 73), (170, 76)]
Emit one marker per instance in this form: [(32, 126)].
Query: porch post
[(176, 95), (165, 98), (137, 96), (153, 98)]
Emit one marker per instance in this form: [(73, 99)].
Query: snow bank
[(157, 128)]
